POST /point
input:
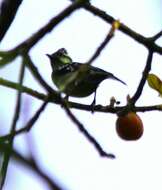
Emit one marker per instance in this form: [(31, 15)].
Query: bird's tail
[(115, 78)]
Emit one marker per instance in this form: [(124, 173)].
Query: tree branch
[(147, 42), (82, 129), (29, 124), (7, 154), (103, 44), (85, 107), (156, 36), (33, 69), (143, 79), (8, 11), (33, 166), (31, 41)]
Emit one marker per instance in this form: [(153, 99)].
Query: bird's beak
[(48, 55)]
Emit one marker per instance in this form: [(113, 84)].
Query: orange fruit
[(129, 126)]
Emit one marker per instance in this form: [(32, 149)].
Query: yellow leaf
[(155, 83)]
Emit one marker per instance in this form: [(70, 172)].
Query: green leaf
[(155, 83)]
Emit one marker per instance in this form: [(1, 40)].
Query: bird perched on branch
[(76, 79)]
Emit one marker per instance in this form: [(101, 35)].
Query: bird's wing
[(101, 74)]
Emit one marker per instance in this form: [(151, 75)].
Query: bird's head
[(59, 58)]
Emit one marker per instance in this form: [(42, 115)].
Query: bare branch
[(143, 79), (147, 42), (8, 10), (31, 41), (29, 124), (85, 107), (36, 73), (31, 165), (7, 154), (82, 129), (156, 36), (103, 44)]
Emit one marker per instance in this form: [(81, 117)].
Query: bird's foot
[(93, 106)]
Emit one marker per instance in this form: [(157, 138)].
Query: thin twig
[(26, 45), (147, 42), (6, 156), (33, 166), (32, 40), (35, 117), (102, 45), (75, 105), (156, 36), (143, 79), (36, 73), (84, 107), (82, 129), (24, 89), (29, 124)]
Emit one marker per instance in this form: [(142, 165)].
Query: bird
[(76, 79)]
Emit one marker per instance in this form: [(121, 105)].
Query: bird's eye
[(62, 51)]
